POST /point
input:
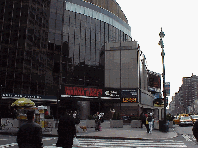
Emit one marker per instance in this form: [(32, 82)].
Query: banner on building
[(130, 96), (167, 88)]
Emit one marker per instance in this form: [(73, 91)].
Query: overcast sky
[(178, 19)]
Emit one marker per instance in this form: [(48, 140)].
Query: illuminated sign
[(134, 100), (112, 93), (81, 91), (129, 96), (21, 96)]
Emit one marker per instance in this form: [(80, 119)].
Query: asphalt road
[(185, 134), (185, 139)]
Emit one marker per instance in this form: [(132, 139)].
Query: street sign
[(167, 88)]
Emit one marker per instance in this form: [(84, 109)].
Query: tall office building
[(48, 43), (190, 92)]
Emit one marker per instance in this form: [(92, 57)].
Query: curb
[(92, 137), (120, 138)]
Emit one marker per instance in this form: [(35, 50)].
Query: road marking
[(128, 143), (187, 137), (8, 145)]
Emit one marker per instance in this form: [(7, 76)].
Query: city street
[(185, 138), (185, 134)]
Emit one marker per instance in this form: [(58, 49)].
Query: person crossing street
[(150, 123)]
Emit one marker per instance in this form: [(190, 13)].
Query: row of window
[(97, 15)]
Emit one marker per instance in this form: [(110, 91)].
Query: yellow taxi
[(177, 118), (194, 118), (185, 120)]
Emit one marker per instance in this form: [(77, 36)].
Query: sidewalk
[(108, 133)]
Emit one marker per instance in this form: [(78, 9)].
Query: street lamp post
[(161, 34), (0, 107)]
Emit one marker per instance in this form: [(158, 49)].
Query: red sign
[(80, 91)]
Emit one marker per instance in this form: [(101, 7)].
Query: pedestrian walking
[(153, 120), (77, 120), (195, 130), (97, 122), (147, 125), (150, 122), (29, 134), (66, 131), (143, 119)]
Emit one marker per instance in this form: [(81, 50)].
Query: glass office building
[(47, 43)]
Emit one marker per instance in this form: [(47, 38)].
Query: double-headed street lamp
[(161, 34)]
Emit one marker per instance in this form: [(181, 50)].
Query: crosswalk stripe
[(128, 143), (8, 145), (107, 143)]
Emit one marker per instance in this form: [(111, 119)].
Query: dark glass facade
[(45, 43)]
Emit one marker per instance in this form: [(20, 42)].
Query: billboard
[(154, 80), (167, 88), (130, 96), (111, 92), (159, 102)]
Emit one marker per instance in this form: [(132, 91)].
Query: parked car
[(185, 120), (194, 118)]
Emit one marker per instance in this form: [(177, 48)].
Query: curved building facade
[(47, 43)]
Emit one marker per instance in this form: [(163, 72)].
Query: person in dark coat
[(143, 119), (66, 131), (195, 130), (29, 134)]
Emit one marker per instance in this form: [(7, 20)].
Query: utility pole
[(0, 107)]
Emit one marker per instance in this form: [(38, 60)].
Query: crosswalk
[(8, 145), (107, 143), (112, 143), (188, 137)]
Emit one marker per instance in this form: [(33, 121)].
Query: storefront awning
[(146, 106)]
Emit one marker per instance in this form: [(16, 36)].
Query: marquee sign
[(129, 96), (12, 95), (81, 91)]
